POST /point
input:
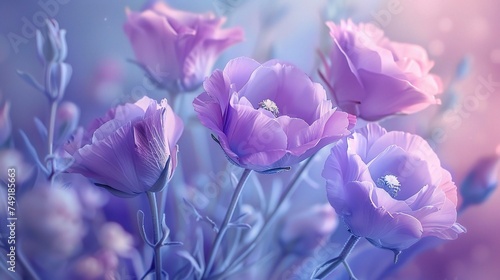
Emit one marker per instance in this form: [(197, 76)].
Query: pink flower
[(178, 48), (372, 77)]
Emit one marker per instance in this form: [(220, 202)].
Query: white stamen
[(390, 184), (270, 106)]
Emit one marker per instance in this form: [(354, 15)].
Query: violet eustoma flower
[(178, 48), (373, 77), (390, 188), (131, 150), (269, 116)]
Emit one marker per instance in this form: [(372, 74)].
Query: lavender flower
[(51, 44), (52, 51), (268, 116), (390, 188), (178, 48), (372, 77), (127, 151)]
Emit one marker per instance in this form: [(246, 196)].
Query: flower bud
[(57, 77), (68, 115), (481, 181), (51, 43)]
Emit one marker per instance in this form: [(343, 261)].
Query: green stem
[(157, 235), (225, 223)]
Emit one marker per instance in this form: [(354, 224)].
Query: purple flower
[(268, 116), (372, 77), (390, 188), (178, 48), (128, 150)]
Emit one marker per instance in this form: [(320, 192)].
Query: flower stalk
[(50, 139), (225, 223), (326, 268), (292, 186), (157, 234)]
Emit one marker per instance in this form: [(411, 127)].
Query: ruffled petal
[(365, 219), (256, 139), (389, 95)]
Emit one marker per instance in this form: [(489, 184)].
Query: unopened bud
[(481, 181), (51, 42)]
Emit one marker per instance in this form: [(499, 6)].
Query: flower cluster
[(286, 135)]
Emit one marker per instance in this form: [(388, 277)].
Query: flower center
[(390, 184), (270, 106)]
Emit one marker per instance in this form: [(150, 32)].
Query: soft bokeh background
[(450, 30)]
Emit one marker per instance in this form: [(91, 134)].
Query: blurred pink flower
[(304, 232), (51, 223), (113, 237), (12, 158), (373, 77), (178, 48)]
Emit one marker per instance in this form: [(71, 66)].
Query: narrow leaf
[(32, 151), (31, 81)]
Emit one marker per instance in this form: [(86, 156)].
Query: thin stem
[(51, 127), (338, 260), (157, 235), (349, 271), (292, 186), (50, 138), (225, 223)]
